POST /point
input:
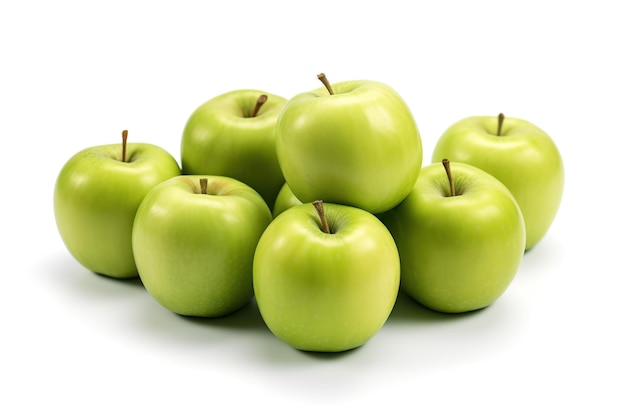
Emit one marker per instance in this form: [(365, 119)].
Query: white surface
[(74, 75)]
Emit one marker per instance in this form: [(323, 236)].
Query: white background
[(75, 74)]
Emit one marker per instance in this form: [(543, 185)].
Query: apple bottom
[(455, 288), (454, 266)]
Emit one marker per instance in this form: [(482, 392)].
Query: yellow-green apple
[(234, 135), (460, 235), (284, 200), (326, 276), (353, 142), (194, 239), (520, 154), (96, 196)]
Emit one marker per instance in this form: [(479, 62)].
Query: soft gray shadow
[(408, 311), (542, 258), (246, 318), (70, 279), (64, 273)]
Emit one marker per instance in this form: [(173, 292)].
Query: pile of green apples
[(317, 207)]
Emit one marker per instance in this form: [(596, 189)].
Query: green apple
[(460, 237), (326, 276), (284, 200), (521, 155), (194, 239), (353, 142), (234, 135), (96, 196)]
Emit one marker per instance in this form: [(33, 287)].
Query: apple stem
[(262, 99), (322, 77), (124, 140), (446, 165), (319, 207), (500, 122), (203, 185)]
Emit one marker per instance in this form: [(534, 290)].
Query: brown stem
[(500, 121), (203, 185), (446, 165), (124, 140), (322, 77), (262, 99), (319, 207)]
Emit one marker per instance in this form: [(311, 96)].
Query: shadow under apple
[(407, 310), (245, 318), (65, 272)]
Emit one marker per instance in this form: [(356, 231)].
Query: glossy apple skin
[(220, 138), (358, 147), (326, 292), (523, 157), (284, 200), (194, 251), (459, 253), (96, 196)]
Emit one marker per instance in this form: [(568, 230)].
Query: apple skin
[(358, 147), (221, 138), (326, 292), (460, 253), (523, 157), (194, 251), (284, 200), (96, 196)]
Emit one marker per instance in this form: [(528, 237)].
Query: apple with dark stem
[(326, 276), (194, 239), (460, 235), (519, 154), (96, 196), (353, 142), (234, 135)]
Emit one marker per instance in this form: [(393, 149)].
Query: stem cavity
[(322, 77), (500, 122), (260, 101), (124, 140), (446, 165), (319, 207)]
